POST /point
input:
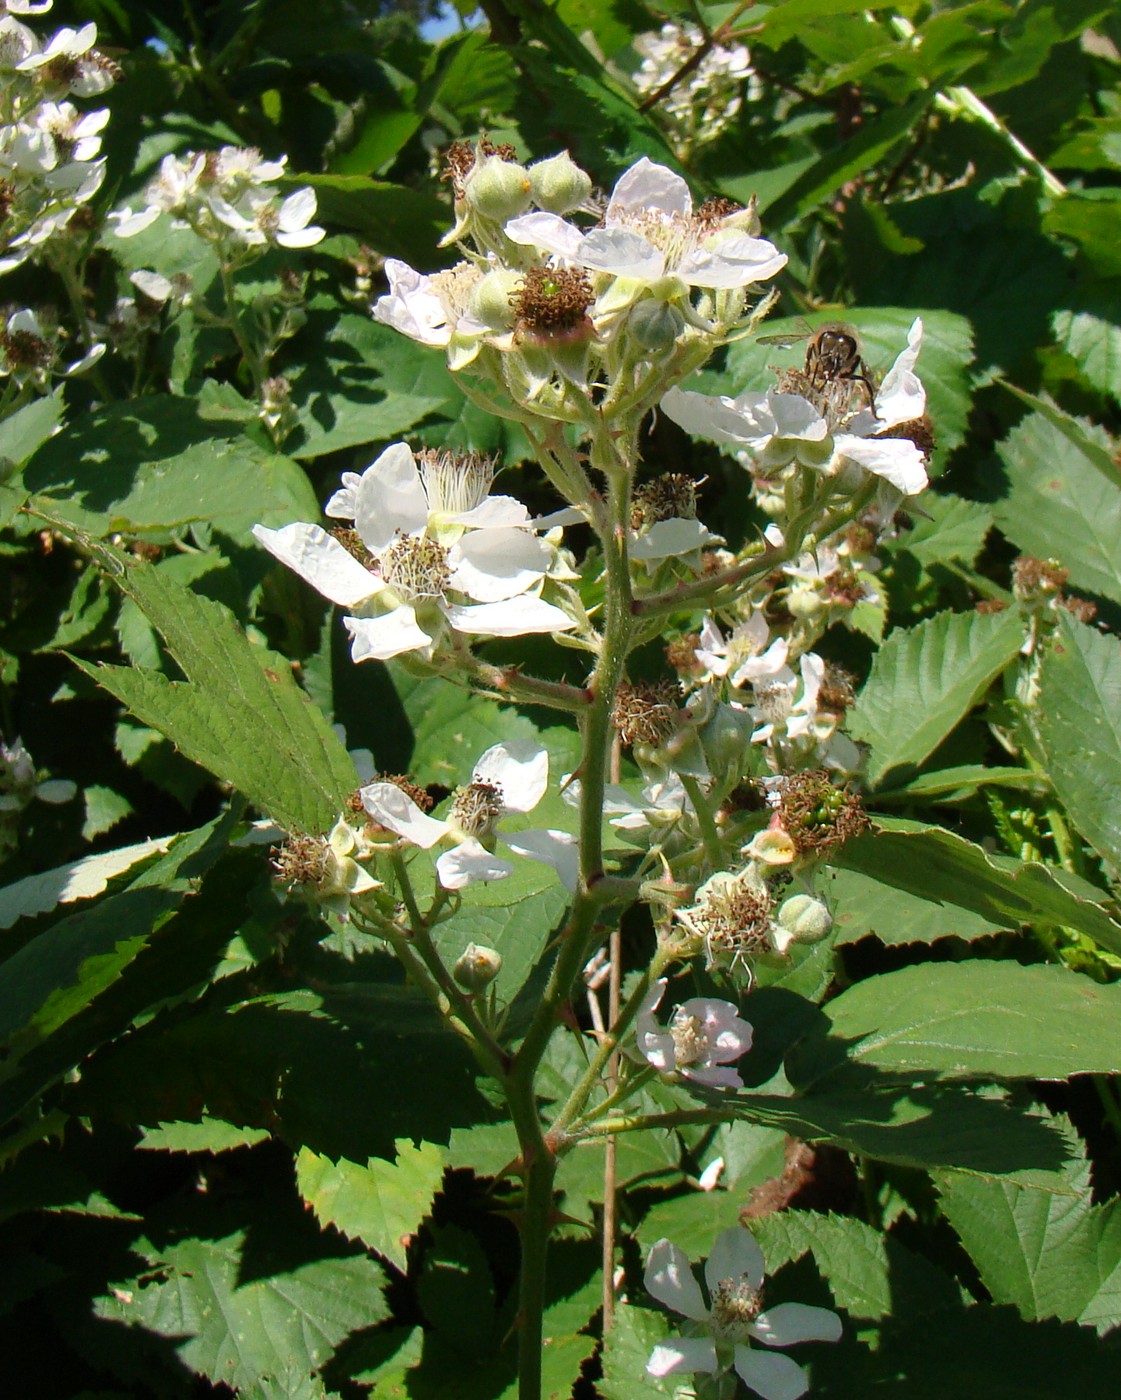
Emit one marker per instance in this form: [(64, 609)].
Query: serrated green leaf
[(1093, 343), (969, 1020), (1064, 497), (240, 713), (939, 866), (156, 463), (864, 907), (24, 431), (207, 1135), (956, 784), (81, 879), (1049, 1254), (626, 1350), (957, 530), (242, 1333), (927, 678), (1078, 720), (692, 1222), (381, 1203)]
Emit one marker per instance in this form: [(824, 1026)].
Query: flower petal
[(669, 1279), (553, 848), (390, 497), (744, 422), (772, 1376), (321, 561), (469, 862), (549, 232), (647, 185), (896, 460), (511, 618), (667, 539), (683, 1354), (520, 769), (397, 812), (491, 565), (411, 306), (735, 1254), (622, 253), (380, 638), (715, 1076), (731, 262), (788, 1323)]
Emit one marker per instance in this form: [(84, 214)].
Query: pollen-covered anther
[(647, 712), (714, 213), (816, 815), (681, 654), (734, 918), (690, 1040), (671, 496), (735, 1306), (302, 860), (455, 284), (352, 542), (477, 808), (455, 481), (552, 303), (416, 566), (843, 587)]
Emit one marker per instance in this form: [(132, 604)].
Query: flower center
[(671, 496), (735, 917), (735, 1306), (302, 860), (416, 566), (477, 808), (690, 1040), (552, 301), (454, 482)]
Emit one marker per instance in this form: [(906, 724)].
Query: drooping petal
[(390, 496), (557, 849), (519, 768), (896, 460), (715, 1076), (771, 1375), (735, 261), (667, 539), (514, 617), (491, 565), (647, 185), (735, 1254), (397, 812), (380, 638), (320, 560), (412, 307), (343, 505), (744, 422), (548, 232), (788, 1323), (669, 1278), (683, 1355), (468, 863), (901, 396)]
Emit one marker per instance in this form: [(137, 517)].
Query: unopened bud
[(491, 301), (558, 185), (498, 189), (806, 604), (806, 919), (477, 967), (655, 325)]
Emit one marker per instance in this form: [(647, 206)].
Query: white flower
[(650, 233), (901, 398), (777, 710), (324, 869), (744, 655), (734, 1277), (703, 1037), (777, 427), (400, 522), (413, 306), (19, 781), (508, 778)]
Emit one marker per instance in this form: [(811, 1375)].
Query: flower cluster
[(50, 164), (722, 1331), (428, 548), (547, 302), (703, 102), (227, 197)]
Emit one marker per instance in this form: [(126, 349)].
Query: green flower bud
[(491, 299), (805, 919), (655, 325), (498, 189), (476, 968), (558, 185), (806, 604)]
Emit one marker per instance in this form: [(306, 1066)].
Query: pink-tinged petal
[(320, 560), (390, 497), (896, 460), (770, 1375), (649, 186), (556, 849), (667, 539), (738, 261), (788, 1323), (490, 565), (520, 769), (623, 254), (735, 1255), (669, 1279), (548, 232), (381, 638), (468, 863), (397, 812), (729, 1035), (512, 618), (683, 1355)]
